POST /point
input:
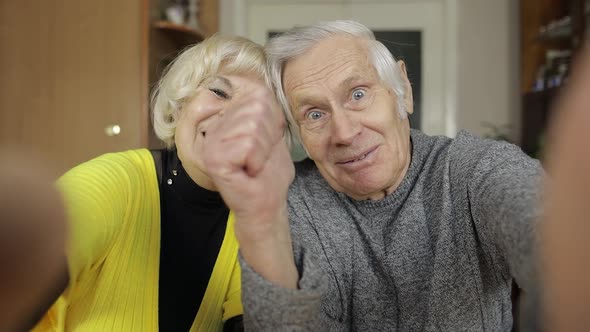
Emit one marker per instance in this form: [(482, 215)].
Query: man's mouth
[(357, 158)]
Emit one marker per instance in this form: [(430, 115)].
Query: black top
[(193, 221)]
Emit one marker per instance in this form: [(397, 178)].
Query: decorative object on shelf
[(553, 73), (193, 14), (552, 34), (175, 12), (556, 29)]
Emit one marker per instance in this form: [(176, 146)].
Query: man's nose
[(345, 127)]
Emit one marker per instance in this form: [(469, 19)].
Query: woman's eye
[(314, 115), (358, 94), (219, 93)]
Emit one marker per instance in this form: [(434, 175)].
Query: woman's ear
[(408, 97)]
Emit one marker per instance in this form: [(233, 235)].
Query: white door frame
[(437, 19)]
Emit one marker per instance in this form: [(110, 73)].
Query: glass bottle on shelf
[(539, 84)]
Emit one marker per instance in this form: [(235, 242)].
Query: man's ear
[(408, 97)]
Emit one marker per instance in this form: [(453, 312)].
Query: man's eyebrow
[(351, 79), (309, 100)]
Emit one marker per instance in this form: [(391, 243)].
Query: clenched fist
[(248, 162), (246, 156)]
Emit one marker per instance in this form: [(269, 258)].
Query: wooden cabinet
[(70, 70), (547, 26)]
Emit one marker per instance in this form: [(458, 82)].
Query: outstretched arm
[(566, 230), (32, 241)]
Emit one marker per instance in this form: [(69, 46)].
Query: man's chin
[(363, 192)]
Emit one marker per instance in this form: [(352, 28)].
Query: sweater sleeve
[(504, 194), (96, 197), (269, 307)]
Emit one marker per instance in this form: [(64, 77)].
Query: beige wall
[(488, 58)]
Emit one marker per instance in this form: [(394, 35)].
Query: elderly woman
[(152, 243)]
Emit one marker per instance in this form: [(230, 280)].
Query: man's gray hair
[(300, 39)]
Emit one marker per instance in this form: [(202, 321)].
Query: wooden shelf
[(184, 34), (559, 29)]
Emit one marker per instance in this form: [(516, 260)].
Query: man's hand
[(566, 232), (32, 239), (247, 159)]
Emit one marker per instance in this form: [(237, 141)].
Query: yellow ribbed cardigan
[(113, 207)]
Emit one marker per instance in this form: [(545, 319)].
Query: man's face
[(348, 118)]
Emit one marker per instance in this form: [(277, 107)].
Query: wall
[(487, 56), (488, 59)]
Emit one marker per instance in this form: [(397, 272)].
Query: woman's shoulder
[(110, 162), (132, 157), (116, 169)]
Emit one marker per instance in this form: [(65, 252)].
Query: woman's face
[(213, 98)]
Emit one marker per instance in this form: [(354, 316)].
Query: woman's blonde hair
[(216, 54)]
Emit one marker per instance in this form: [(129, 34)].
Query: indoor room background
[(75, 76)]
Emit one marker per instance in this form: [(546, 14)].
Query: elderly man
[(392, 229)]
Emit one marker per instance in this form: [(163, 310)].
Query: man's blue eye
[(314, 115), (358, 94)]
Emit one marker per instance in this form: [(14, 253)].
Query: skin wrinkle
[(323, 79), (316, 74)]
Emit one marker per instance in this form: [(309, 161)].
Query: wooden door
[(68, 70)]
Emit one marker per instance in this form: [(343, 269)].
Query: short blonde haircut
[(178, 85)]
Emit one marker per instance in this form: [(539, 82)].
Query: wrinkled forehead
[(326, 59), (330, 63)]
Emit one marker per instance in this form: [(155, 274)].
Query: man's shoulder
[(465, 152), (467, 147), (470, 156), (465, 140), (464, 145)]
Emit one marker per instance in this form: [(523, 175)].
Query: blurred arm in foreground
[(32, 239), (566, 230)]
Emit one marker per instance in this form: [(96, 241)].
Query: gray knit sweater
[(438, 254)]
